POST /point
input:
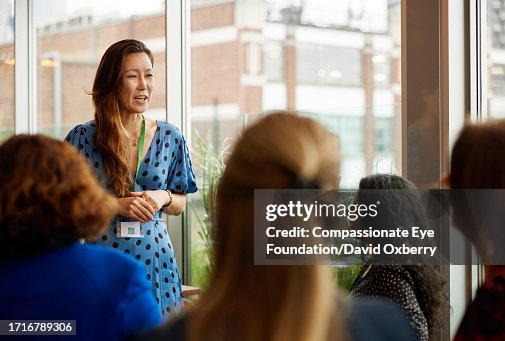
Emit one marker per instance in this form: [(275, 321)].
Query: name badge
[(129, 229)]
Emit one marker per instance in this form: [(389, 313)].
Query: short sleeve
[(81, 137), (181, 178), (75, 138)]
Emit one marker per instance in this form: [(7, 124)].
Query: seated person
[(49, 200), (250, 302), (417, 289), (478, 162)]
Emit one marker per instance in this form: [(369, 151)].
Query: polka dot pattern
[(157, 171), (394, 283)]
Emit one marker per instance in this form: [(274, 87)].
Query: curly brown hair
[(48, 197), (430, 286)]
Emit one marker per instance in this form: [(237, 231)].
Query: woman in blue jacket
[(49, 200)]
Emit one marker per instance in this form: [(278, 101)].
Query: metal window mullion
[(178, 101), (25, 68), (186, 124), (478, 61), (479, 51)]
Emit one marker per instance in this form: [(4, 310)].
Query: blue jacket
[(106, 292)]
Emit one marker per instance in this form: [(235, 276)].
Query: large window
[(335, 61), (71, 38), (7, 63), (253, 56)]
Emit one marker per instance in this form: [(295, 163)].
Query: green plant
[(345, 275), (209, 167), (5, 134)]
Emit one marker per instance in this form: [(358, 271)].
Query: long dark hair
[(478, 162), (110, 138), (429, 284), (477, 159)]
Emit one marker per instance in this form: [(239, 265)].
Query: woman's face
[(138, 83)]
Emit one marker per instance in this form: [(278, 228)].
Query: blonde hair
[(250, 302)]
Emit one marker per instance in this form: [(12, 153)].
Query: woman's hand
[(155, 198), (136, 207)]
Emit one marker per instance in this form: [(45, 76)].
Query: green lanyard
[(141, 146)]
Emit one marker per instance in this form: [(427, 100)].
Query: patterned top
[(394, 283), (165, 166), (485, 317)]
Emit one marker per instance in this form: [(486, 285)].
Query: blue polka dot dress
[(166, 166)]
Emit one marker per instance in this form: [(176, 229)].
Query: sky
[(53, 10), (120, 7), (371, 15)]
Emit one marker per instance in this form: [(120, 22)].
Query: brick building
[(246, 57)]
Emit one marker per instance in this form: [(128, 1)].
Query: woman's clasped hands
[(141, 206)]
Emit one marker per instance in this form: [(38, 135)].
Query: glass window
[(336, 61), (71, 38), (274, 66), (497, 80), (496, 58), (7, 62), (319, 64), (383, 140), (381, 69)]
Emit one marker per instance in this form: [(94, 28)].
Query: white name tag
[(129, 229)]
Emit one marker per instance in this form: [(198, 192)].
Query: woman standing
[(144, 162)]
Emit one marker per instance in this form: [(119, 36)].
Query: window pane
[(336, 61), (7, 99), (496, 58), (71, 38), (329, 65)]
